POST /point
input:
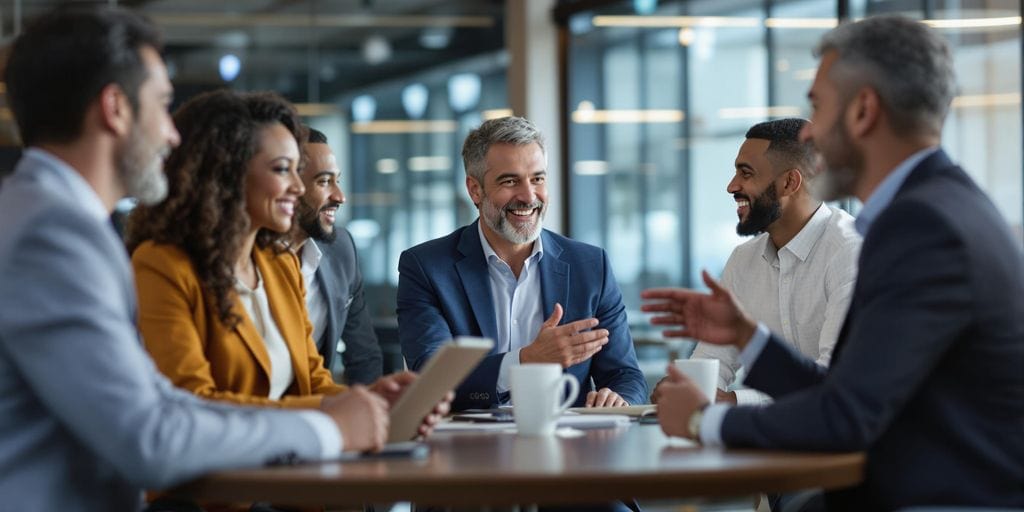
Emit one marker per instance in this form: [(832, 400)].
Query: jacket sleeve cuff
[(327, 432)]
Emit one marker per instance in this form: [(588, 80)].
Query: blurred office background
[(644, 104)]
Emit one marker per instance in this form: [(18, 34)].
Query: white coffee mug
[(703, 373), (536, 397)]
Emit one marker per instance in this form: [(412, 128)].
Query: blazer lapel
[(935, 161), (472, 270), (328, 280), (554, 276), (246, 330), (287, 317)]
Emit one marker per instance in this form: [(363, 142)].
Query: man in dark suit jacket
[(330, 268), (927, 376), (501, 276)]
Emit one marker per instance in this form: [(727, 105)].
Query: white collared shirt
[(316, 303), (801, 291), (518, 304), (258, 308)]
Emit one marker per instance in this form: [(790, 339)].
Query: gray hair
[(904, 61), (504, 130)]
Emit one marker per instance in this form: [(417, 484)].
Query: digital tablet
[(443, 372)]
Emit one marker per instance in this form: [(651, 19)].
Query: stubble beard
[(141, 169), (843, 165)]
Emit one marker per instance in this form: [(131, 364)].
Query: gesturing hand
[(567, 344), (714, 318)]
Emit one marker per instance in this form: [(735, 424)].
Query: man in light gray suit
[(334, 285), (86, 420)]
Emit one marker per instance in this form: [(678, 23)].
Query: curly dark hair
[(204, 212)]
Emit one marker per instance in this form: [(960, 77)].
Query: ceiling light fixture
[(229, 66)]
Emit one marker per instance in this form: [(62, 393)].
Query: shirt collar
[(885, 192), (536, 255), (81, 192), (310, 256), (801, 244)]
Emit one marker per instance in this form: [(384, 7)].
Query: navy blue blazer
[(928, 373), (347, 315), (444, 291)]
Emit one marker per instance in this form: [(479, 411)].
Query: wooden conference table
[(499, 469)]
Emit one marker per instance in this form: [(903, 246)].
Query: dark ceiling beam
[(565, 9)]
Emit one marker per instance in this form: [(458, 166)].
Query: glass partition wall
[(660, 95), (656, 99)]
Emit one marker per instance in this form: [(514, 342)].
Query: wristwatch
[(693, 426)]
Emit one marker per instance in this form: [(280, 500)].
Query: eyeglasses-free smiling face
[(319, 205), (272, 182), (513, 196), (753, 187)]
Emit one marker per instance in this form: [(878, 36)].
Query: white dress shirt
[(801, 291), (258, 307), (711, 422), (518, 308), (316, 304)]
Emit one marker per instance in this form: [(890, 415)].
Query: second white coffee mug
[(703, 373), (537, 397)]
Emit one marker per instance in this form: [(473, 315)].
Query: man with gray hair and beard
[(542, 297), (926, 376)]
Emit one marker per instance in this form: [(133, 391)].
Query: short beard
[(842, 166), (495, 219), (309, 221), (141, 170), (764, 210)]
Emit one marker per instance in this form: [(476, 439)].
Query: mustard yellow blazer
[(184, 334)]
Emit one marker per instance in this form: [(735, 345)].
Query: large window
[(660, 96), (396, 86)]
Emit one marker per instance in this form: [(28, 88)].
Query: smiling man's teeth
[(742, 203), (522, 213)]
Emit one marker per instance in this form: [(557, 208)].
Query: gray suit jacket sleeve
[(343, 284), (73, 358)]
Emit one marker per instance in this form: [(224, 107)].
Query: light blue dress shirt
[(518, 304)]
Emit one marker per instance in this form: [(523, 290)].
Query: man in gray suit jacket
[(86, 420), (334, 284), (927, 376)]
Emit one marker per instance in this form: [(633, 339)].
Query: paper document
[(569, 419), (584, 421), (629, 410)]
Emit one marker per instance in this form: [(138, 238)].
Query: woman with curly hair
[(221, 299)]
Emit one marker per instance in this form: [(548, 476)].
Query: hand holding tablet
[(442, 373)]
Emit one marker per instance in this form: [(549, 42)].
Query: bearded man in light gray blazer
[(86, 420)]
